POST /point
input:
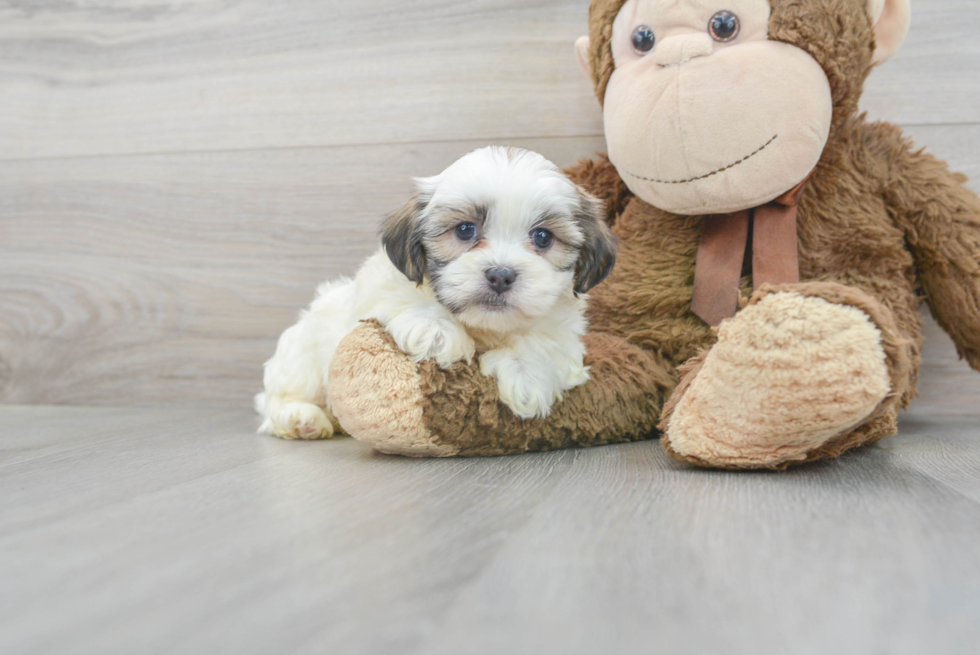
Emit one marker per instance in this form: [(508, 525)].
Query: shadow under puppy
[(489, 258)]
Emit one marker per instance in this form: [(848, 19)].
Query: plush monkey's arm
[(941, 219), (381, 397), (599, 177)]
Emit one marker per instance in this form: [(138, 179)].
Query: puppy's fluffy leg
[(429, 331), (421, 326), (296, 419), (295, 403), (534, 369)]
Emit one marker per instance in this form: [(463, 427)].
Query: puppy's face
[(501, 235)]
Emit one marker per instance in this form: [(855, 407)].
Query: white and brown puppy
[(490, 258)]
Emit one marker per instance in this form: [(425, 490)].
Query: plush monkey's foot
[(376, 392), (790, 373)]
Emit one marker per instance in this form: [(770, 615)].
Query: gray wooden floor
[(175, 179), (178, 530)]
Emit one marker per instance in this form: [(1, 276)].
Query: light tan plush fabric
[(787, 374), (730, 128), (377, 395), (892, 19)]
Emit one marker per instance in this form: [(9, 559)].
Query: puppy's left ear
[(401, 236), (597, 254)]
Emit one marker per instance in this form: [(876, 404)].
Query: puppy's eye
[(466, 231), (724, 26), (643, 40), (542, 238)]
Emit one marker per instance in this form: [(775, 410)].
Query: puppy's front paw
[(298, 420), (529, 391), (441, 339)]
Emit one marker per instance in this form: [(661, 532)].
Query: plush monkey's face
[(703, 112)]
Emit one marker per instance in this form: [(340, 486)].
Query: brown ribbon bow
[(775, 254)]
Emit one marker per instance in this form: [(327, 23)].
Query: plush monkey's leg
[(382, 398), (806, 371)]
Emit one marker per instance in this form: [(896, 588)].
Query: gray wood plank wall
[(176, 177)]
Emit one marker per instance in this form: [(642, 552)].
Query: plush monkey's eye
[(465, 231), (643, 40), (724, 26), (542, 238)]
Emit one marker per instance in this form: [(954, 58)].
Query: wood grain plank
[(108, 78), (948, 387), (100, 77), (65, 429), (151, 279), (195, 535), (276, 540), (935, 78), (942, 445), (855, 556)]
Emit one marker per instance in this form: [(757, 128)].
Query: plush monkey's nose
[(678, 49), (501, 279)]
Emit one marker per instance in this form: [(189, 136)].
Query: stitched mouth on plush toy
[(715, 172)]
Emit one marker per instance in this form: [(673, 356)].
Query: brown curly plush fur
[(881, 225)]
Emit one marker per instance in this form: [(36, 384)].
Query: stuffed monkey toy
[(774, 248)]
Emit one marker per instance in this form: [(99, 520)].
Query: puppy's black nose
[(501, 279)]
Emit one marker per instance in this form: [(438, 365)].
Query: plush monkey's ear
[(891, 20), (582, 46), (401, 236), (597, 254)]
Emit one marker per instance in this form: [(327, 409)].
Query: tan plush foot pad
[(375, 392), (789, 374)]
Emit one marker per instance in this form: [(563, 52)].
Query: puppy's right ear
[(401, 237)]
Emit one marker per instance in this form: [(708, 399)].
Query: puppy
[(489, 258)]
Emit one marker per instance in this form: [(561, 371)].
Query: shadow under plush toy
[(748, 194)]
